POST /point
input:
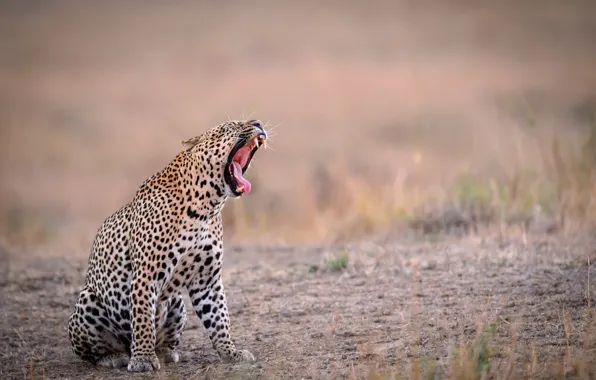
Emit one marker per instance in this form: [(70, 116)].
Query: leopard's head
[(226, 152)]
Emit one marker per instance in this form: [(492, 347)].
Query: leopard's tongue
[(236, 171)]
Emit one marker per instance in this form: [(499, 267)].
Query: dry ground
[(304, 321)]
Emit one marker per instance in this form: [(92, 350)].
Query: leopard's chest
[(192, 259)]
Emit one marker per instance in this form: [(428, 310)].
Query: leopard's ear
[(192, 142)]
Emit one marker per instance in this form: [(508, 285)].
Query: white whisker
[(246, 118), (274, 127), (269, 145)]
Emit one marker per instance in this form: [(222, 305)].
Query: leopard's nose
[(257, 124)]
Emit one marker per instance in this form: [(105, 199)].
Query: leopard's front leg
[(143, 308), (209, 302)]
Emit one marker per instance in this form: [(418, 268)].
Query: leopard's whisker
[(246, 118), (273, 127), (269, 147)]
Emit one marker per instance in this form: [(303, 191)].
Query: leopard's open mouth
[(239, 161)]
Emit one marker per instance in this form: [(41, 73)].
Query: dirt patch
[(390, 306)]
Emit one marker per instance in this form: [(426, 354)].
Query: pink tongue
[(236, 171)]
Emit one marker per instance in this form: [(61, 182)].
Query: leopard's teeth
[(262, 141)]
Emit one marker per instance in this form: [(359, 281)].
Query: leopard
[(165, 243)]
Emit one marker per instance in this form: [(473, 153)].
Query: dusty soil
[(303, 320)]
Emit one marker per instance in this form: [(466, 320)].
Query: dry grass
[(364, 144), (477, 360)]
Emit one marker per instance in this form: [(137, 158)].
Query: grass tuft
[(337, 264)]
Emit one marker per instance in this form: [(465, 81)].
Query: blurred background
[(388, 116)]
